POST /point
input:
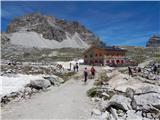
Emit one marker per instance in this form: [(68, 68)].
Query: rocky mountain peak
[(50, 27), (154, 41)]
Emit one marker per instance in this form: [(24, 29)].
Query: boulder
[(134, 104), (39, 84), (27, 92), (145, 101), (114, 113), (120, 113), (119, 102), (95, 99), (132, 115), (130, 92), (13, 95), (147, 89), (149, 115), (7, 98), (54, 80), (105, 115), (105, 95), (96, 112)]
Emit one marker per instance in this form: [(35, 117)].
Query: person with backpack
[(74, 68), (154, 69), (85, 75), (130, 71), (77, 67), (93, 72)]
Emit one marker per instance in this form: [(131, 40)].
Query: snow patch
[(15, 83)]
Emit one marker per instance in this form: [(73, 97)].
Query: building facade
[(105, 56)]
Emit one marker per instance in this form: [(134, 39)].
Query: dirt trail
[(69, 101)]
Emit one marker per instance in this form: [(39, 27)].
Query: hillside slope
[(33, 39), (141, 54)]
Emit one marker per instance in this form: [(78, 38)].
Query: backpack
[(92, 69), (85, 73)]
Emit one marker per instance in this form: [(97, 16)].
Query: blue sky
[(115, 23)]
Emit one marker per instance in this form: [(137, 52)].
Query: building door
[(117, 61)]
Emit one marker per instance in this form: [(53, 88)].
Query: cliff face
[(50, 27), (154, 41)]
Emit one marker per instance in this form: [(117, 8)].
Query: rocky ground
[(23, 80), (68, 101), (123, 97), (113, 95)]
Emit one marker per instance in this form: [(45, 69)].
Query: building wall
[(108, 57), (94, 56), (115, 58)]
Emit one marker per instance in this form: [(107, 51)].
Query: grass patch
[(92, 92), (99, 92), (41, 55)]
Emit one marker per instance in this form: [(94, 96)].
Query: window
[(107, 61), (122, 61), (96, 61), (118, 61), (96, 54), (91, 56)]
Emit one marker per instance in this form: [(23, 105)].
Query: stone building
[(105, 56)]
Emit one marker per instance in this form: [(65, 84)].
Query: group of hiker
[(155, 69), (131, 70), (86, 72), (75, 67)]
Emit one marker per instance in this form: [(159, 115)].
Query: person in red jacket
[(93, 72)]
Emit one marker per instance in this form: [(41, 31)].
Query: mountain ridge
[(51, 28), (153, 41)]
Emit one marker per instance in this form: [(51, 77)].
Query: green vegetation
[(44, 55), (98, 92), (92, 92)]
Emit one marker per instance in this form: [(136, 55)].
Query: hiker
[(77, 67), (74, 68), (85, 75), (154, 69), (130, 71), (139, 69), (70, 66), (135, 69), (93, 72)]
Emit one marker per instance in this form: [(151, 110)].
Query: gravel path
[(69, 101)]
